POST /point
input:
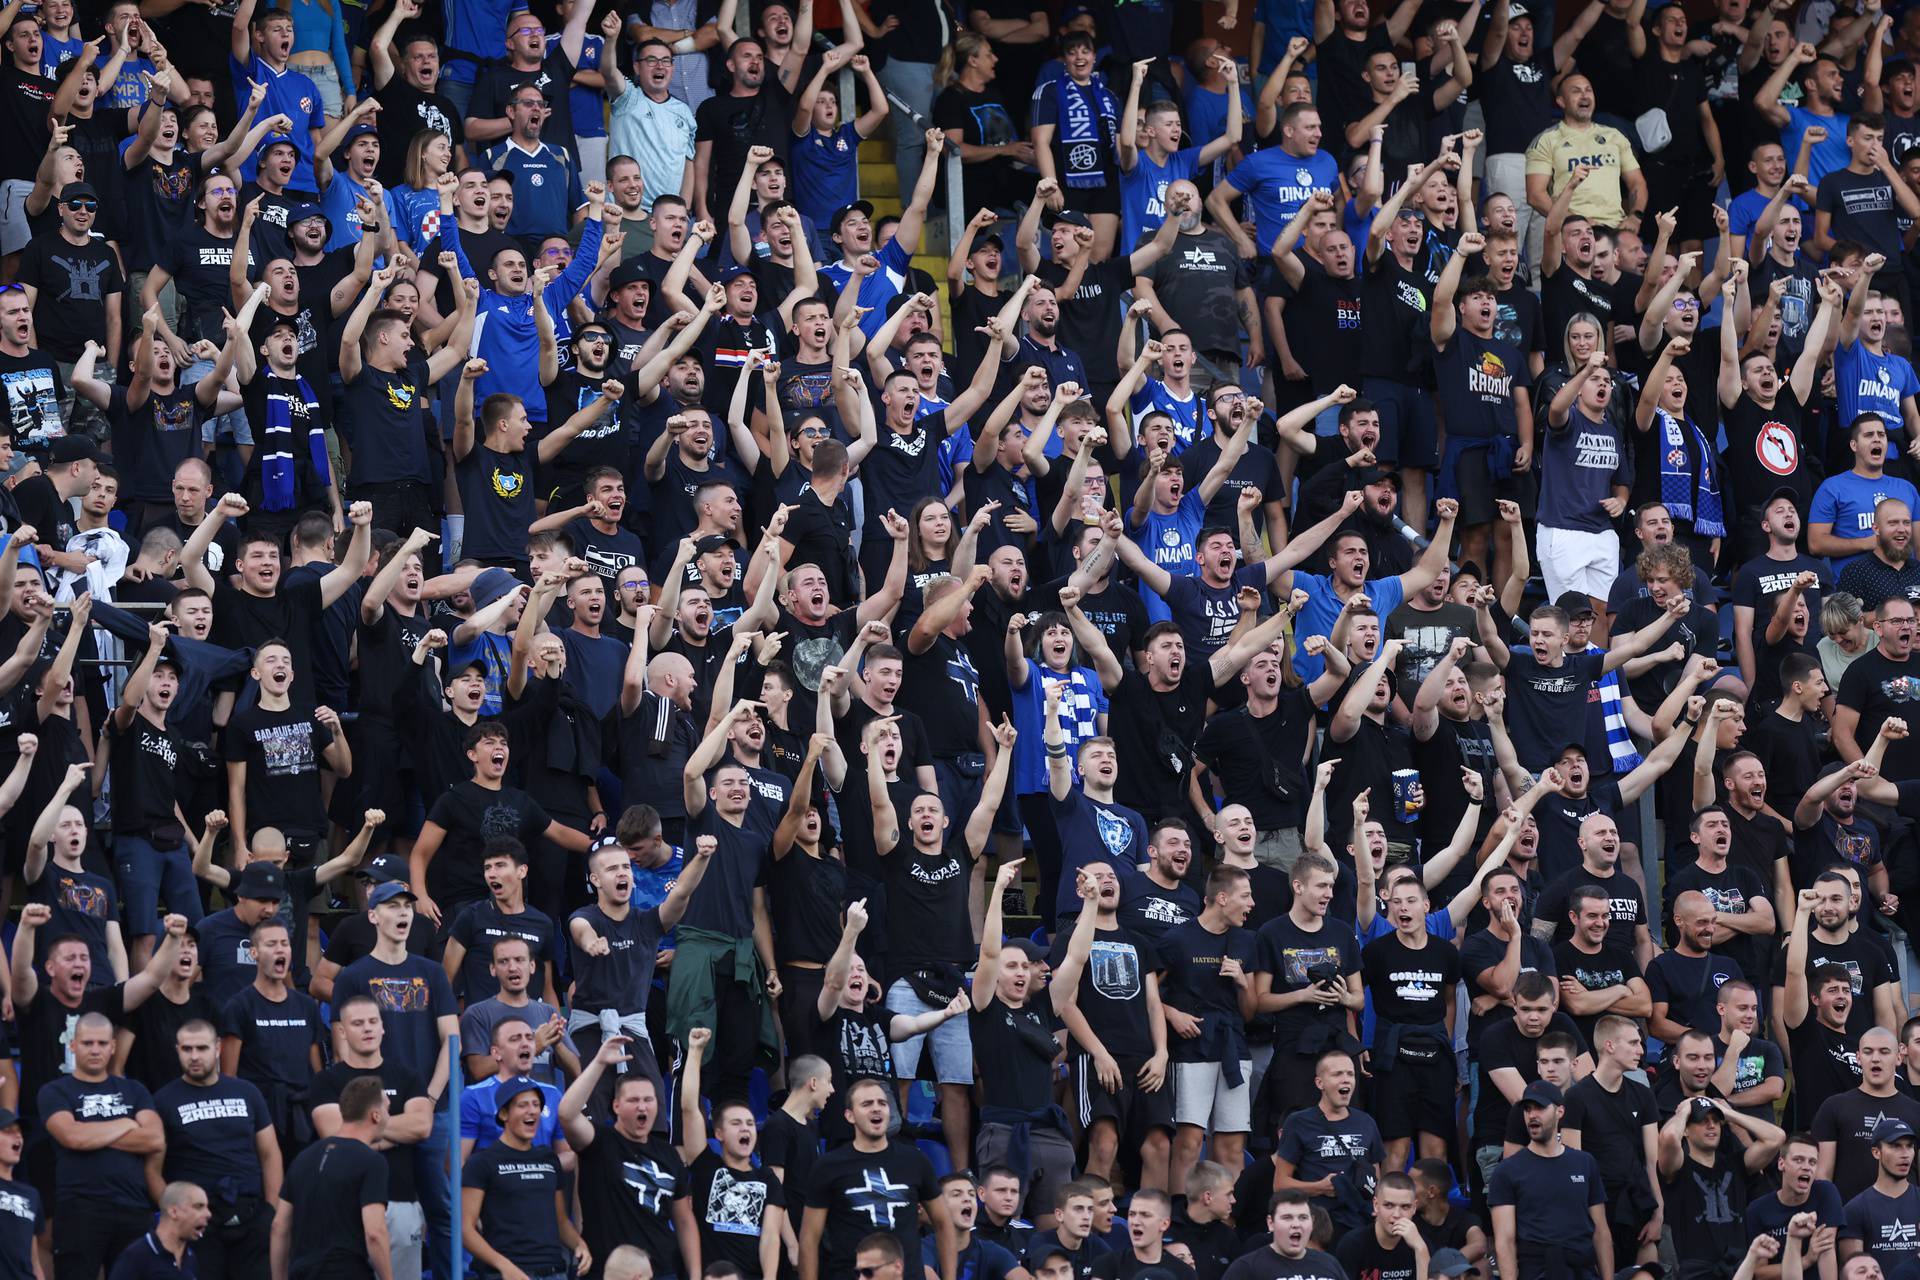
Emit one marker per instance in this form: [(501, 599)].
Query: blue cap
[(734, 272), (361, 130), (301, 212), (388, 891), (508, 1090), (1892, 1129)]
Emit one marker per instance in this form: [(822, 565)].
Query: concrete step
[(877, 180)]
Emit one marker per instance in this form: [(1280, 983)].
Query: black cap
[(1701, 1110), (991, 239), (8, 1119), (712, 542), (1041, 1251), (1072, 218), (1574, 604), (262, 881), (629, 272), (79, 191), (277, 321), (1543, 1093), (1652, 1270), (1374, 475), (64, 450), (1786, 491), (1565, 747), (840, 215), (384, 867)]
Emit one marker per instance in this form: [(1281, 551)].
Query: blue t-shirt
[(1277, 183), (1168, 542), (1153, 394), (1143, 191), (546, 188), (1846, 501), (826, 172), (341, 203), (1092, 831), (478, 1115), (474, 27), (292, 94), (1868, 383), (1745, 209), (56, 53), (1826, 156), (1207, 110), (1323, 610), (877, 288)]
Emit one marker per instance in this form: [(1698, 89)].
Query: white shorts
[(1572, 560), (14, 231), (1202, 1098)]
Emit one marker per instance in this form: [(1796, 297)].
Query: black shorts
[(1093, 199), (1479, 490), (1416, 1096), (1134, 1111)]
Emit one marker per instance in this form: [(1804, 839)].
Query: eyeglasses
[(554, 251), (87, 205), (533, 30), (655, 60), (1686, 304), (533, 104)]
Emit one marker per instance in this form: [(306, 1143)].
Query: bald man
[(102, 1128), (657, 733), (184, 1215), (1627, 927), (628, 1263), (1682, 982), (1198, 287), (1845, 1122)]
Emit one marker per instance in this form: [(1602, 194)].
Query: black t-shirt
[(147, 761), (242, 620), (984, 120), (1264, 1263), (34, 391), (627, 1190), (405, 111), (617, 979), (389, 427), (151, 441), (734, 125), (1360, 1253), (1014, 1049), (471, 815), (282, 752), (1731, 891), (402, 1085), (1191, 982), (26, 99), (868, 1191), (517, 1211), (1504, 1046), (1151, 730), (1879, 688), (154, 1060), (1865, 961), (927, 922), (199, 261), (1706, 1204), (1112, 989), (74, 283), (1848, 1120), (328, 1185), (731, 1207), (1825, 1063), (723, 903), (1294, 957), (482, 924), (1396, 302), (1090, 317), (1610, 1125), (276, 1037), (1412, 986), (496, 492), (1551, 1196)]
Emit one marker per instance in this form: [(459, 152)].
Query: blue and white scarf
[(279, 485), (1086, 120), (1690, 491)]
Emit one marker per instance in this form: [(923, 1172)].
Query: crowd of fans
[(1337, 709)]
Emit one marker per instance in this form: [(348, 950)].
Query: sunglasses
[(87, 205), (601, 338), (867, 1273), (815, 433), (13, 288)]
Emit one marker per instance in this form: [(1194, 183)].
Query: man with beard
[(1887, 568), (650, 121), (869, 1185), (532, 63), (1708, 1152), (1548, 1200), (1832, 938), (1159, 898), (1840, 521), (751, 113), (1743, 917), (199, 263), (220, 1136), (1199, 286), (1100, 974), (1600, 975), (1682, 980), (613, 951), (1289, 1255), (1876, 688), (1777, 568)]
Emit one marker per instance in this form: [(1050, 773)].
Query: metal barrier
[(456, 1083)]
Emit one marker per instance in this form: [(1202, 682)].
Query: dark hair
[(361, 1098), (504, 847)]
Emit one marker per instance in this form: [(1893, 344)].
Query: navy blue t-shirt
[(19, 1220), (1091, 831), (413, 995), (276, 1039), (118, 1177), (517, 1215), (210, 1136)]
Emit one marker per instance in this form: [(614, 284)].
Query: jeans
[(912, 83), (150, 872), (457, 92), (430, 1172)]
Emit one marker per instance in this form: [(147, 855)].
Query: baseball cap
[(1515, 11), (712, 542), (1374, 475), (1565, 747), (64, 450), (387, 892), (8, 1119), (1574, 604), (1543, 1093), (79, 191), (262, 881), (1891, 1129), (1072, 218), (362, 130), (509, 1090), (1449, 1262), (630, 272), (840, 214), (1786, 491), (301, 212), (279, 140), (1702, 1110), (734, 272), (277, 321), (383, 868), (1044, 1251), (991, 240)]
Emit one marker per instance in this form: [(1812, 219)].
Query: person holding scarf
[(1075, 121), (289, 473), (1688, 467)]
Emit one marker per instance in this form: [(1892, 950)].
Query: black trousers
[(237, 1243), (89, 1234)]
